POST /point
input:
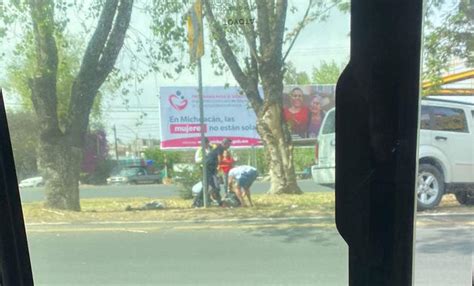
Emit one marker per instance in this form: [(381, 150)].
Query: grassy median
[(176, 209), (114, 209)]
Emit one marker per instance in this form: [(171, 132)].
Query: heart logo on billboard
[(178, 101)]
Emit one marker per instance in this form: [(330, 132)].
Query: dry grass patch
[(451, 205), (176, 209)]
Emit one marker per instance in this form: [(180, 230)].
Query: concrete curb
[(198, 221), (445, 214), (227, 221)]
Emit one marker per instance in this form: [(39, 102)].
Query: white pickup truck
[(446, 150)]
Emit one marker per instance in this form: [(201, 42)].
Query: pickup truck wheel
[(133, 182), (465, 197), (430, 188)]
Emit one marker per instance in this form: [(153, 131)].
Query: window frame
[(367, 266), (430, 120), (377, 132), (15, 265)]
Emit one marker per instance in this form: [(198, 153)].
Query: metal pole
[(137, 152), (133, 145), (203, 144), (97, 144), (116, 148), (255, 155)]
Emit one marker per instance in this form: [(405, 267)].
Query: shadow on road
[(458, 241), (321, 235)]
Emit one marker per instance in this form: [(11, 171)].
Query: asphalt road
[(135, 254), (149, 191)]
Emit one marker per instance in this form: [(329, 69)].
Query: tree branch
[(115, 40), (270, 11), (248, 30), (279, 26), (43, 85), (300, 27), (98, 62), (251, 37), (307, 18), (263, 26), (99, 38), (245, 82)]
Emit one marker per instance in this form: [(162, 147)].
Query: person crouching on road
[(241, 179)]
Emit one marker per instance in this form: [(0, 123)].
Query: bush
[(253, 157), (303, 158), (164, 159), (101, 173), (186, 179), (24, 135)]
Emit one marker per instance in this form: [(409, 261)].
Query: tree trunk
[(279, 151), (61, 151), (60, 165), (266, 63), (271, 125)]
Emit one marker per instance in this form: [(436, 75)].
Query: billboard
[(227, 114), (305, 106)]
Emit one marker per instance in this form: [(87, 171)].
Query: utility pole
[(203, 144), (196, 49), (97, 143), (134, 144), (115, 140)]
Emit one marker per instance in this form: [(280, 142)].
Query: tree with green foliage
[(23, 126), (327, 73), (164, 159), (22, 66), (448, 35), (304, 157), (293, 77), (254, 157), (254, 50), (61, 142)]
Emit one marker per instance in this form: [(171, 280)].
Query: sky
[(318, 42)]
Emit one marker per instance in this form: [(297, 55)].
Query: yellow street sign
[(195, 31)]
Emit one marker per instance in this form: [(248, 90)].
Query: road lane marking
[(236, 220), (95, 229), (136, 230)]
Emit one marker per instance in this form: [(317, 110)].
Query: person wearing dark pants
[(212, 162)]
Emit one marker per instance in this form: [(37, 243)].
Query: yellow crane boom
[(451, 79)]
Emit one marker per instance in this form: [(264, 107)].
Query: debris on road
[(146, 207)]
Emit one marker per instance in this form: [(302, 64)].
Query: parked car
[(135, 175), (31, 182), (446, 150)]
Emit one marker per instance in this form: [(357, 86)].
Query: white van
[(446, 150)]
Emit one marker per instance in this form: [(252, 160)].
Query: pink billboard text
[(186, 128)]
